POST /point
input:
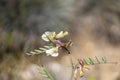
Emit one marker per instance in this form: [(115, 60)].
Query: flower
[(75, 72), (82, 66), (53, 52), (82, 73), (54, 39), (51, 36), (48, 36)]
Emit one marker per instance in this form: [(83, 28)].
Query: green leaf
[(35, 52), (43, 49), (48, 47), (98, 62), (104, 60), (87, 61), (28, 54), (38, 51), (32, 52), (45, 73), (91, 61)]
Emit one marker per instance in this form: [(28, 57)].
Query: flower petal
[(61, 34), (48, 36), (75, 74), (44, 37), (53, 52), (82, 73), (86, 67), (49, 52)]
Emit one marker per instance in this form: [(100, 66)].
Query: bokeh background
[(93, 26)]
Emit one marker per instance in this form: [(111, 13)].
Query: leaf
[(98, 62), (45, 73), (86, 61), (28, 54), (38, 51), (33, 52), (91, 61), (43, 49), (48, 47), (104, 60)]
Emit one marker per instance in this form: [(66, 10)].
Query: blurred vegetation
[(23, 21)]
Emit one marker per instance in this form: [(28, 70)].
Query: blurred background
[(93, 26)]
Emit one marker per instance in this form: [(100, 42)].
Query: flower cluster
[(53, 50), (84, 64), (53, 38), (79, 68)]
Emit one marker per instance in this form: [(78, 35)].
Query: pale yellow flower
[(75, 75), (82, 66), (81, 71), (49, 36), (53, 38)]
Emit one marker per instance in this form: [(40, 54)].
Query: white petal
[(48, 33), (54, 54), (49, 52), (45, 38), (49, 36)]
